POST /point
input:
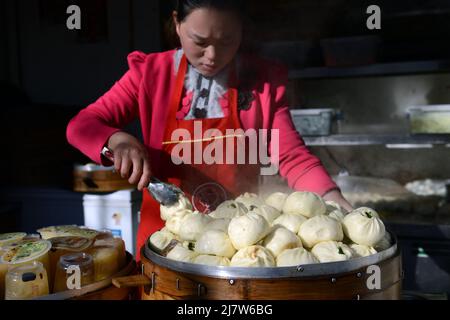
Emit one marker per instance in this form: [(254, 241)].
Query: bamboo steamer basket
[(165, 279), (101, 290), (93, 178)]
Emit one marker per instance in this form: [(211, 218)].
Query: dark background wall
[(59, 66), (47, 75), (3, 49)]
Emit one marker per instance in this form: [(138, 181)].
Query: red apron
[(206, 185)]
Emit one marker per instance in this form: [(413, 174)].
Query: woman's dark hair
[(185, 7)]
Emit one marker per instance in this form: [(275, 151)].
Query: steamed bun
[(320, 228), (180, 253), (212, 260), (281, 239), (250, 200), (332, 251), (215, 242), (218, 224), (247, 230), (277, 200), (291, 222), (170, 211), (360, 250), (363, 226), (307, 204), (229, 209), (268, 212), (192, 225), (295, 257), (174, 224), (253, 256), (161, 239), (337, 214)]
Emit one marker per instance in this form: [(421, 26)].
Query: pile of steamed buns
[(279, 231)]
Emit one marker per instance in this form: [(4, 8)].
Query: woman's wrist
[(327, 193), (336, 196), (119, 138)]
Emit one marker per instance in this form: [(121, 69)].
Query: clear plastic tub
[(27, 251), (26, 282), (65, 245), (83, 261), (21, 253), (313, 122), (8, 238), (432, 119)]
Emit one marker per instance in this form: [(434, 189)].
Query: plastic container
[(27, 252), (66, 245), (313, 122), (432, 119), (33, 237), (82, 260), (8, 238), (104, 234), (26, 282), (350, 51), (106, 261), (24, 252), (67, 231), (118, 244), (103, 290), (3, 272)]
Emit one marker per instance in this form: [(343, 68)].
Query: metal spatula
[(165, 193)]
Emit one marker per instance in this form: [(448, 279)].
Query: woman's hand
[(336, 196), (130, 159)]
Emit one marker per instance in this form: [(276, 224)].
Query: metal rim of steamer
[(301, 271)]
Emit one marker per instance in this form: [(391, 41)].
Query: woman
[(205, 83)]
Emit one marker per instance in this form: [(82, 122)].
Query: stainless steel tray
[(302, 271)]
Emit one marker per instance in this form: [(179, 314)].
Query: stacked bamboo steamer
[(236, 252)]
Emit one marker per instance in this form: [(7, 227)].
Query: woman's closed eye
[(224, 43), (201, 44)]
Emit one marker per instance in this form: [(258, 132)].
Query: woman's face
[(210, 39)]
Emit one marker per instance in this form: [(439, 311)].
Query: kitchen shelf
[(379, 69), (390, 140)]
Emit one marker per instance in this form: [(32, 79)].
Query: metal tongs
[(165, 193)]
